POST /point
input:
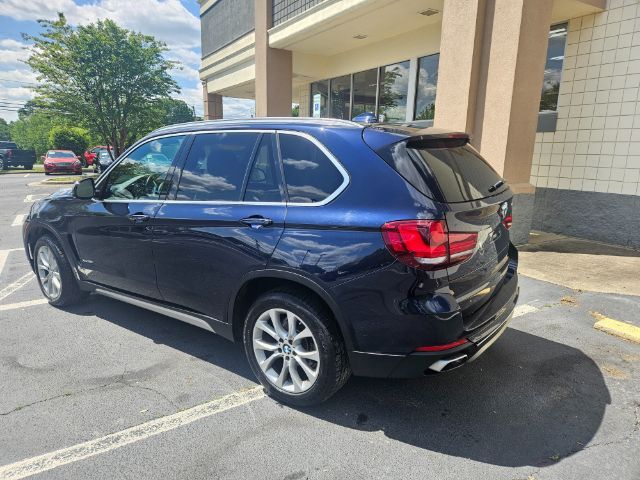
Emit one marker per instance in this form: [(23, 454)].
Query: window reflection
[(309, 174), (427, 83), (394, 88), (553, 68), (142, 174), (341, 97), (216, 167), (319, 99), (365, 86)]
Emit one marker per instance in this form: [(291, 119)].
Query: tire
[(69, 292), (3, 165), (47, 173), (325, 343), (28, 166)]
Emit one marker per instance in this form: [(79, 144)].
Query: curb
[(616, 328)]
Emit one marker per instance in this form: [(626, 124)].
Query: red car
[(59, 161), (90, 155)]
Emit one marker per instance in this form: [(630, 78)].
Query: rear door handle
[(256, 221), (138, 217)]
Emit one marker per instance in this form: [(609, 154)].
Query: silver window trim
[(311, 138)]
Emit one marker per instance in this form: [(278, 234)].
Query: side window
[(142, 174), (309, 174), (216, 167), (263, 184)]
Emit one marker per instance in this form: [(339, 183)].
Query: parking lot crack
[(157, 392)]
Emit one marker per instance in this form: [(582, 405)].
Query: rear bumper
[(418, 364)]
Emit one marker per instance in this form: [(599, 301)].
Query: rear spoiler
[(385, 135)]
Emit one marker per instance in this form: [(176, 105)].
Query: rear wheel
[(54, 273), (295, 349), (28, 166), (3, 164)]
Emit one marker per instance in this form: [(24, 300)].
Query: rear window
[(456, 174), (8, 145)]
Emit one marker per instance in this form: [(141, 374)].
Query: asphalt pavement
[(108, 390)]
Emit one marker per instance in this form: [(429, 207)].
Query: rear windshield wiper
[(496, 185)]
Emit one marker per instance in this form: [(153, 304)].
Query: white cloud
[(167, 20), (16, 78), (238, 107)]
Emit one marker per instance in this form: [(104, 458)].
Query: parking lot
[(108, 390)]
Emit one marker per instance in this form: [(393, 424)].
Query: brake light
[(9, 153), (427, 244), (507, 222), (439, 348)]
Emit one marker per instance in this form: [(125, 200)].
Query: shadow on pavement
[(528, 401)]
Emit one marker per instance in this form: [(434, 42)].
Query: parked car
[(61, 161), (325, 246), (103, 159), (12, 156), (90, 155)]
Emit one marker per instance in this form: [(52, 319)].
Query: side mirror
[(84, 189)]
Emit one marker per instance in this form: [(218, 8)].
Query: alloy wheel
[(286, 350), (49, 273)]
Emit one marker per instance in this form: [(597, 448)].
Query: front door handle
[(138, 217), (256, 221)]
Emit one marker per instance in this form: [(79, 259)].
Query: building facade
[(548, 89)]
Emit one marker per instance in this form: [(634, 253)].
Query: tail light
[(427, 244), (9, 153), (507, 222)]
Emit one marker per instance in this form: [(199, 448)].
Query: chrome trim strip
[(311, 138), (440, 365), (182, 316)]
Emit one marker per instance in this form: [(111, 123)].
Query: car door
[(112, 232), (225, 220)]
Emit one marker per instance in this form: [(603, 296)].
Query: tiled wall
[(596, 145)]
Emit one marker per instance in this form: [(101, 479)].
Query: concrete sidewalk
[(581, 264)]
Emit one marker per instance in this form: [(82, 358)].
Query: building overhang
[(566, 9)]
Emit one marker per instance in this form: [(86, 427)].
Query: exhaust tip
[(446, 364)]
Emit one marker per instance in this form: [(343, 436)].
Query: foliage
[(107, 76), (295, 110), (69, 138), (427, 113), (32, 132), (549, 100), (174, 111), (4, 130)]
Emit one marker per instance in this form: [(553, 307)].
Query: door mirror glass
[(84, 189)]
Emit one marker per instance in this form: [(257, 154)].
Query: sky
[(176, 22)]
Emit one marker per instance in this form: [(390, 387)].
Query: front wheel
[(54, 273), (295, 349)]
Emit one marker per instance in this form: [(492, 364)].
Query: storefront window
[(553, 68), (364, 92), (427, 82), (340, 97), (394, 87), (319, 99)]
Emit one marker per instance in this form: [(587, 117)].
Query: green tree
[(69, 138), (4, 130), (295, 110), (174, 111), (104, 74), (32, 131)]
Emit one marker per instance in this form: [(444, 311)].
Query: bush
[(69, 138)]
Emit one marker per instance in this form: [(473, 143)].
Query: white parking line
[(33, 197), (19, 220), (523, 310), (4, 254), (42, 463), (26, 175), (29, 303), (18, 284)]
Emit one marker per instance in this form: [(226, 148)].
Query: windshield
[(61, 155)]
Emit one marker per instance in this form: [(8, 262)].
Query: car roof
[(289, 123)]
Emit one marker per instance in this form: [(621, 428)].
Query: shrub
[(69, 138)]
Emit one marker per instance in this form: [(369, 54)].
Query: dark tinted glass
[(60, 155), (263, 184), (427, 82), (309, 174), (217, 166), (451, 175), (340, 97), (553, 68), (394, 88), (141, 175), (8, 145), (365, 85)]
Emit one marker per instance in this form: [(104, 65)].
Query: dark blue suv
[(326, 247)]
